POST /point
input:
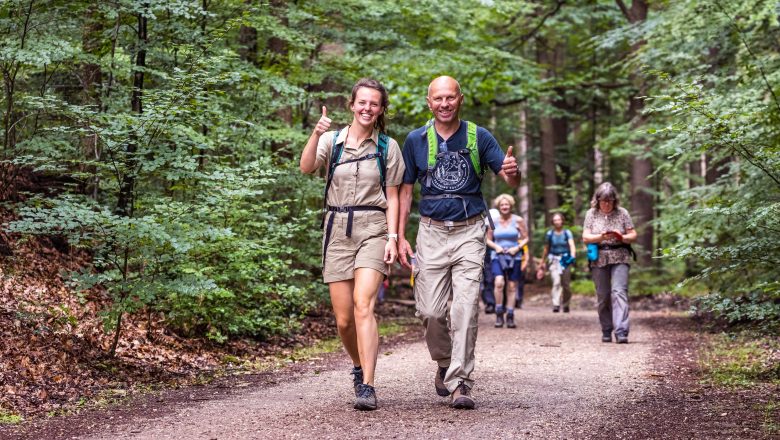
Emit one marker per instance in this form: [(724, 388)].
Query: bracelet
[(395, 236)]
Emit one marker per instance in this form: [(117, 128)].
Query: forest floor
[(552, 377)]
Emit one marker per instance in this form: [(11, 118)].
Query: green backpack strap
[(471, 144)]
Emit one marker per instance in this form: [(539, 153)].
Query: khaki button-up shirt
[(357, 183)]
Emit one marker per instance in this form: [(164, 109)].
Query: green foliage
[(186, 192), (719, 102), (741, 361), (7, 418)]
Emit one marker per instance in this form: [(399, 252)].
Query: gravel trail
[(552, 377)]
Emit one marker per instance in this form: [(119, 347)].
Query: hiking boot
[(461, 397), (439, 382), (606, 336), (621, 338), (556, 309), (499, 320), (565, 309), (510, 320), (490, 308), (366, 398), (357, 378)]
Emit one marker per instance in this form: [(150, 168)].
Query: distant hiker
[(487, 286), (610, 228), (364, 169), (558, 255), (448, 156), (506, 242)]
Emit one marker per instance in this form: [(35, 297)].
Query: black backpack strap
[(381, 157)]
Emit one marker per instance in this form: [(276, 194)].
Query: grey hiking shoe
[(461, 397), (357, 378), (499, 320), (438, 382), (366, 398), (621, 338), (510, 320)]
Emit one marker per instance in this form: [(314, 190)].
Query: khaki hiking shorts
[(366, 247)]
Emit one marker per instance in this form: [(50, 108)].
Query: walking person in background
[(364, 170), (610, 227), (506, 241), (558, 255), (487, 287)]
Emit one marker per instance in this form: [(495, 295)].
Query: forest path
[(552, 377)]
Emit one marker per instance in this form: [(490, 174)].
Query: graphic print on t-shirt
[(452, 172)]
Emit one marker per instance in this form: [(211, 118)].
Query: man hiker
[(448, 157)]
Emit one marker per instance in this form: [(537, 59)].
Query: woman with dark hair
[(559, 252), (364, 170), (610, 227)]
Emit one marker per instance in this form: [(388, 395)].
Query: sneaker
[(439, 382), (510, 320), (499, 320), (565, 309), (556, 309), (606, 336), (461, 397), (621, 338), (357, 378), (365, 398), (490, 308)]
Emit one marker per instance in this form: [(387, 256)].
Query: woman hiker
[(364, 170)]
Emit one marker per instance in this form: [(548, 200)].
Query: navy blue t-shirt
[(455, 176)]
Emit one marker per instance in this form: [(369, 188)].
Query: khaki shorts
[(366, 247)]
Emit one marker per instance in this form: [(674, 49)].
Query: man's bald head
[(444, 82)]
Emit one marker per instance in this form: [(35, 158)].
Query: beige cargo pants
[(449, 262)]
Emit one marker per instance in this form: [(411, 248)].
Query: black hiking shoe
[(366, 398), (461, 397), (490, 308), (606, 336), (510, 320), (499, 320), (621, 338), (357, 378), (565, 309), (438, 382), (556, 309)]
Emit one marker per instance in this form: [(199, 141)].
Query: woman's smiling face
[(367, 107)]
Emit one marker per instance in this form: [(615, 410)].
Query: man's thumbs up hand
[(510, 164)]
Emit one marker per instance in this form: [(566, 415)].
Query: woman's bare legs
[(366, 287), (343, 308)]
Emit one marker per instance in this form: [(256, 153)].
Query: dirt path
[(550, 378)]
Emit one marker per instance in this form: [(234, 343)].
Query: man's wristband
[(394, 236)]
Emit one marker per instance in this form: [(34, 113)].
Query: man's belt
[(450, 223)]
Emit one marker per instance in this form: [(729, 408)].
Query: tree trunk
[(91, 79), (127, 184), (279, 52), (553, 131), (642, 200), (525, 203)]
